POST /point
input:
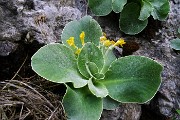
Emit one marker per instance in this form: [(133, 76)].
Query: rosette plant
[(133, 13), (94, 77)]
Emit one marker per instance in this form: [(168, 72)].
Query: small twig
[(10, 103), (16, 72), (3, 114), (26, 114), (21, 112), (52, 114), (13, 115), (26, 78), (20, 67), (35, 91)]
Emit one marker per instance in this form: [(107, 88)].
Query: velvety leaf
[(104, 7), (91, 68), (99, 76), (117, 5), (100, 7), (129, 22), (57, 63), (178, 111), (178, 30), (91, 28), (161, 9), (93, 71), (175, 44), (146, 10), (80, 104), (89, 53), (109, 103), (109, 57), (98, 89), (133, 79)]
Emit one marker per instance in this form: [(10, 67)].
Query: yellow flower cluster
[(71, 42), (106, 42), (120, 42)]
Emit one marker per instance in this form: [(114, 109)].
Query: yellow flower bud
[(82, 36)]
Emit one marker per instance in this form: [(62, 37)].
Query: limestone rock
[(123, 112), (39, 20)]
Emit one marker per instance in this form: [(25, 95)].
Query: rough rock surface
[(123, 112), (28, 20), (167, 100)]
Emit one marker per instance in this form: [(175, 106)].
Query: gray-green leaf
[(109, 57), (98, 89), (91, 68), (100, 7), (89, 53), (129, 22), (133, 79), (178, 111), (117, 5), (175, 44), (161, 9), (80, 104), (104, 7), (92, 30), (109, 103), (57, 63), (146, 10)]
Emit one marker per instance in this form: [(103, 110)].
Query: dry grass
[(21, 101)]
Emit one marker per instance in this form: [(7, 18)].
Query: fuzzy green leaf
[(178, 111), (109, 103), (92, 30), (117, 5), (93, 71), (129, 22), (175, 44), (146, 10), (100, 7), (89, 53), (133, 79), (98, 89), (178, 30), (161, 9), (91, 68), (99, 76), (80, 104), (104, 7), (57, 63), (109, 57)]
